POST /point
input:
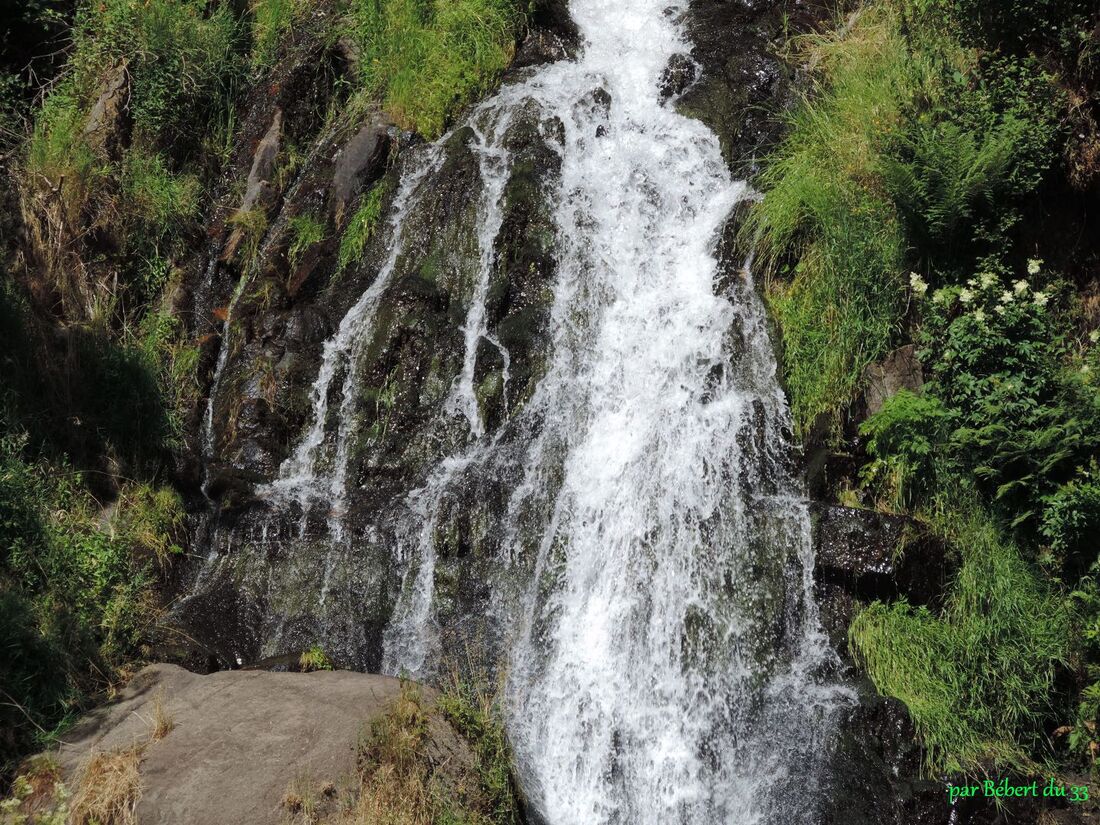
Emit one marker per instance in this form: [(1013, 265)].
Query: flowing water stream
[(662, 649)]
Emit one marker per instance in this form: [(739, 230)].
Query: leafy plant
[(904, 438), (314, 659)]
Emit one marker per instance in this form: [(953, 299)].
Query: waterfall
[(664, 659)]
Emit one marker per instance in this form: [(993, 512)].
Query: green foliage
[(1084, 735), (1012, 24), (903, 439), (960, 166), (361, 227), (253, 224), (977, 680), (271, 20), (1071, 515), (76, 589), (910, 149), (314, 659), (474, 709), (159, 198), (425, 58), (826, 236), (178, 53), (1024, 424), (305, 230)]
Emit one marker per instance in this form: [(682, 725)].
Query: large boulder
[(240, 746)]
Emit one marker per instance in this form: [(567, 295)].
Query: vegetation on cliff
[(120, 141), (931, 189)]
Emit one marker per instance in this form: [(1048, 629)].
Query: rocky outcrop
[(899, 370), (260, 192), (106, 129), (238, 746), (360, 162)]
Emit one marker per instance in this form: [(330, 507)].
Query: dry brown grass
[(307, 802), (389, 797), (395, 778), (163, 724), (109, 788)]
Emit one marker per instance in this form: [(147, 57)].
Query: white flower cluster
[(918, 285), (982, 289)]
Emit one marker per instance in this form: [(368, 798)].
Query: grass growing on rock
[(109, 788), (361, 227), (401, 782), (894, 212), (424, 58), (977, 680)]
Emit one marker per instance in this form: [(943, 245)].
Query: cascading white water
[(665, 651)]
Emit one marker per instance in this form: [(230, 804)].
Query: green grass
[(827, 235), (978, 679), (361, 227), (473, 707), (425, 58), (305, 231), (271, 21)]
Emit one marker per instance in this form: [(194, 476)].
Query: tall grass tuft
[(826, 231)]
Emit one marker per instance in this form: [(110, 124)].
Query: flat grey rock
[(240, 738)]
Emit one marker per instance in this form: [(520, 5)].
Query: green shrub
[(966, 158), (904, 440), (77, 594), (313, 660), (977, 680), (1023, 425), (179, 53), (1071, 516), (1012, 24)]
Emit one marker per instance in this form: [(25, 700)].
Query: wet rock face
[(741, 82), (273, 577), (873, 777), (678, 75), (743, 86), (360, 161)]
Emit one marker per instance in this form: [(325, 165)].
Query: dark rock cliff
[(267, 579)]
